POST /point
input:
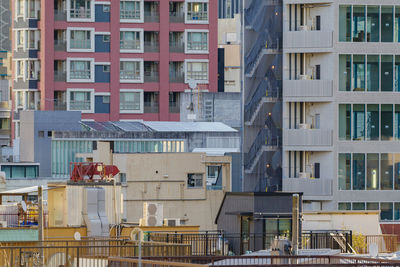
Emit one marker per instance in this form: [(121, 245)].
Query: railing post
[(66, 256), (206, 248), (77, 256), (20, 257)]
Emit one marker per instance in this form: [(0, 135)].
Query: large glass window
[(197, 11), (80, 39), (397, 211), (345, 23), (359, 72), (386, 171), (372, 23), (130, 40), (129, 9), (358, 23), (387, 122), (373, 171), (344, 171), (397, 74), (344, 206), (397, 25), (130, 101), (387, 24), (80, 70), (197, 41), (386, 211), (386, 73), (79, 100), (373, 73), (344, 121), (130, 70), (397, 171), (80, 9), (372, 205), (345, 72), (397, 122), (372, 122), (358, 206), (358, 121), (197, 71), (358, 171)]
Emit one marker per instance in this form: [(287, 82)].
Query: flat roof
[(24, 190)]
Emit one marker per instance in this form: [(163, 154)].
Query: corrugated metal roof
[(24, 190), (172, 126), (101, 126), (7, 235), (131, 126)]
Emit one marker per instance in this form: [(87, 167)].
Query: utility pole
[(295, 223)]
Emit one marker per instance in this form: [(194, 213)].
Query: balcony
[(81, 13), (307, 39), (129, 44), (60, 76), (150, 107), (176, 17), (151, 16), (176, 47), (176, 77), (300, 89), (151, 47), (79, 105), (80, 44), (197, 15), (151, 76), (60, 105), (60, 45), (129, 75), (308, 139), (129, 14), (79, 74), (313, 189), (60, 15)]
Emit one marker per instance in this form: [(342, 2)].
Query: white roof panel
[(172, 126)]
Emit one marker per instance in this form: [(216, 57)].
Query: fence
[(338, 239), (261, 261), (82, 253), (384, 243)]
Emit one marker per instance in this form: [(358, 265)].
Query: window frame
[(191, 21), (191, 51), (140, 19), (187, 61), (92, 102), (69, 39), (141, 101), (91, 64), (92, 13), (141, 69), (141, 40), (195, 186)]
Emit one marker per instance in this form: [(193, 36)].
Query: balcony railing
[(60, 76), (197, 46), (129, 105), (60, 15), (201, 15), (150, 47), (197, 75), (129, 14), (311, 188), (151, 76), (151, 16), (129, 75), (308, 88), (80, 44), (60, 45), (79, 74), (176, 17), (308, 39), (176, 77), (174, 107), (151, 107), (130, 44), (308, 138), (81, 13), (79, 105), (60, 105), (176, 47)]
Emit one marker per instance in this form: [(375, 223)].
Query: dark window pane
[(397, 171), (373, 122), (358, 206), (358, 121), (373, 73), (358, 23), (386, 171), (344, 72), (373, 171), (387, 24), (344, 121), (344, 171), (372, 23), (345, 23), (358, 171), (397, 211), (344, 206), (372, 206), (387, 73), (387, 122), (386, 211)]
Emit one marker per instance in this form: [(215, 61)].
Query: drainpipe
[(295, 223)]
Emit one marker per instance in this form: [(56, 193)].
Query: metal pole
[(295, 223), (40, 223), (140, 249)]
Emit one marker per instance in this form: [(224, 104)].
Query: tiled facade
[(112, 60)]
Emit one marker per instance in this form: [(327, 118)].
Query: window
[(344, 174), (197, 41), (359, 72), (195, 180), (358, 121), (397, 122), (397, 171), (214, 175), (372, 23), (197, 71), (372, 122), (106, 68), (197, 11), (345, 72), (80, 70), (106, 8), (386, 122), (373, 73), (228, 6), (130, 40), (130, 10), (80, 100), (358, 171), (386, 211), (130, 71), (372, 205), (358, 206), (387, 171), (387, 23), (345, 23), (387, 73), (359, 24), (81, 39), (130, 102), (344, 206), (344, 121), (20, 7), (49, 134), (122, 178), (41, 133), (373, 171), (106, 99), (106, 38), (80, 9)]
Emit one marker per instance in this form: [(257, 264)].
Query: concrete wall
[(346, 220)]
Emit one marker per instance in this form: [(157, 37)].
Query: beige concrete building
[(229, 38), (186, 187)]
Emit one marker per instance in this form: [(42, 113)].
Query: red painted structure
[(81, 171)]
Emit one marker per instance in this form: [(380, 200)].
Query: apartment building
[(340, 112), (228, 8), (112, 60)]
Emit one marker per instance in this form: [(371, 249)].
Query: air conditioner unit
[(304, 126), (173, 222), (152, 214), (3, 224), (304, 175)]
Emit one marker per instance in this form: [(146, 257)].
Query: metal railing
[(197, 46), (174, 107), (197, 75), (176, 17), (337, 239), (151, 76), (151, 46), (60, 76), (79, 74), (80, 44), (60, 45), (151, 16), (129, 75), (129, 44), (119, 262), (176, 77), (79, 105), (201, 15), (176, 47), (129, 105), (60, 15), (129, 14), (81, 13), (60, 105), (151, 107)]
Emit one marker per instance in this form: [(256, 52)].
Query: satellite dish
[(192, 84), (373, 250), (23, 205), (77, 236)]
